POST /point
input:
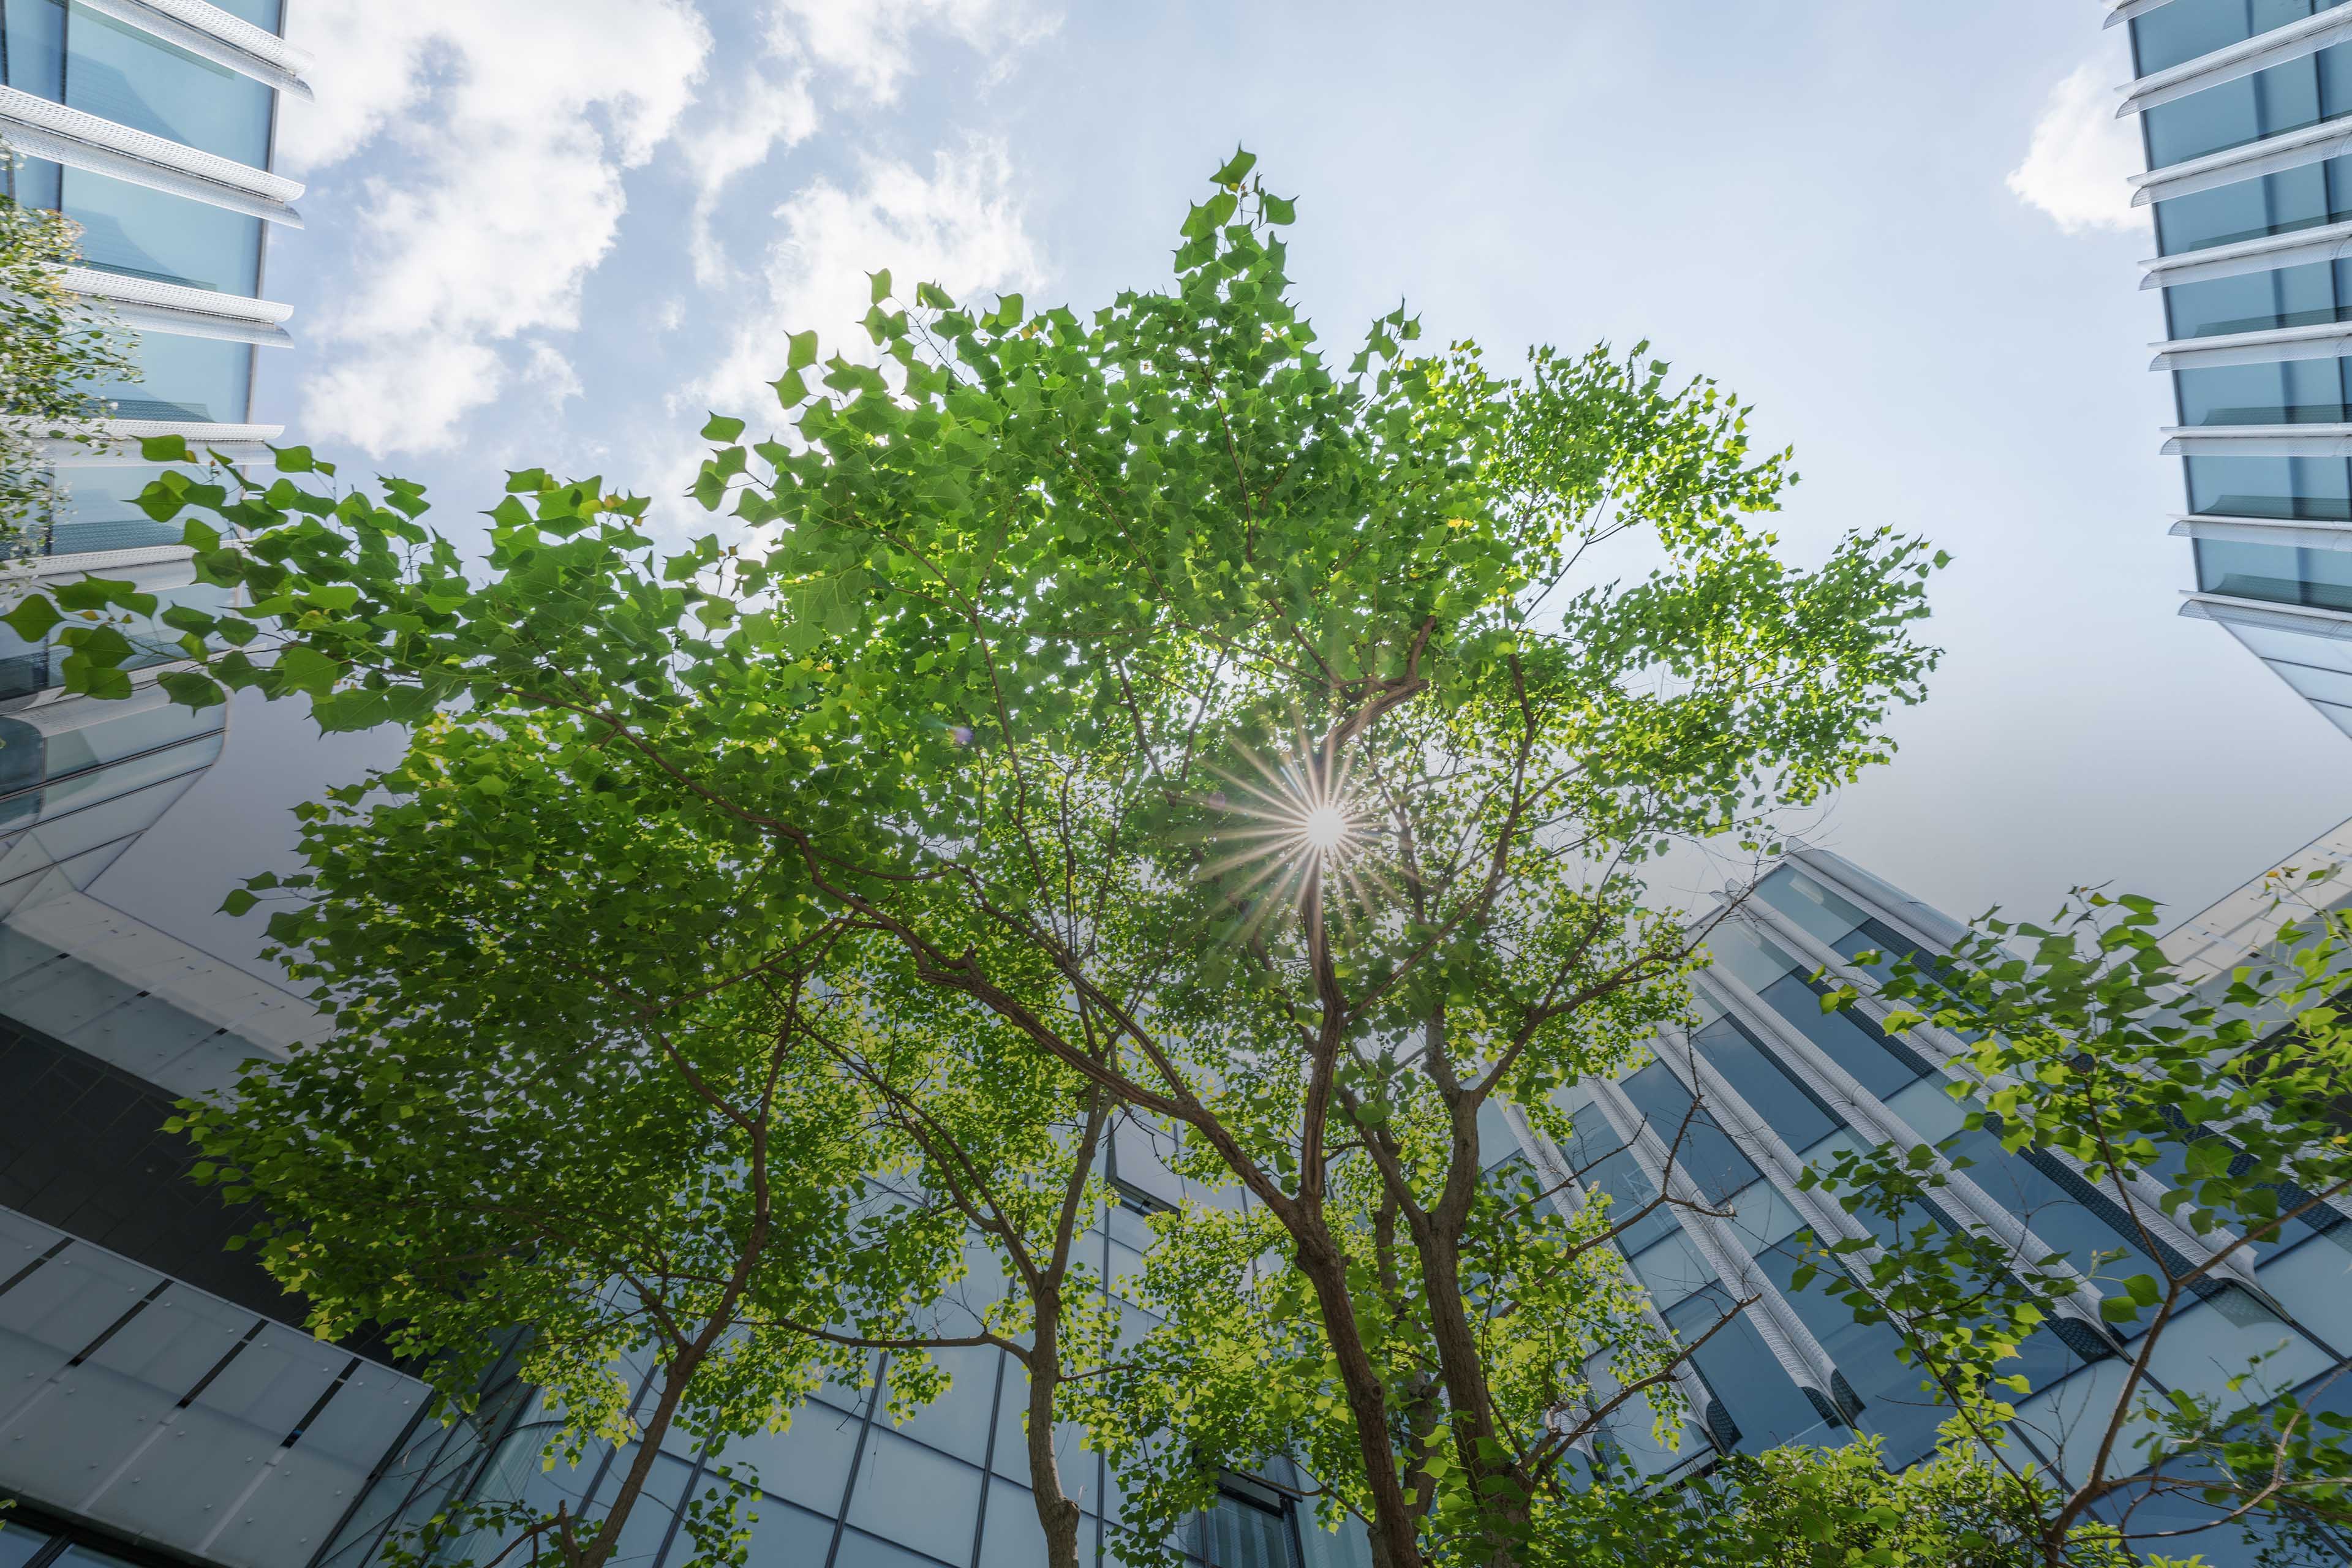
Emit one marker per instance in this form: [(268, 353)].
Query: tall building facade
[(157, 1399), (1767, 1083), (2242, 107), (152, 125)]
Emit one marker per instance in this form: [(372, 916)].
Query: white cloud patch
[(512, 125), (871, 41), (2081, 155), (960, 226), (762, 116)]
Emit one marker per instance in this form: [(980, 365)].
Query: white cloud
[(512, 125), (763, 116), (2081, 155), (869, 41), (960, 227)]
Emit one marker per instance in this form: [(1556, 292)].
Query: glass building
[(1767, 1083), (2243, 108), (152, 124)]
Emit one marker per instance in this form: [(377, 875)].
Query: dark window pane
[(2286, 97), (2255, 301), (2174, 34), (2319, 488), (2288, 392), (2278, 572), (1846, 1038), (1758, 1077), (1705, 1154), (1741, 1371)]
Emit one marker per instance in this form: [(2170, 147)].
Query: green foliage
[(54, 346), (2209, 1116), (1830, 1508), (1023, 669)]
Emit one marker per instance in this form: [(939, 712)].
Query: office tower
[(155, 1391), (2241, 106), (1779, 1084), (151, 123)]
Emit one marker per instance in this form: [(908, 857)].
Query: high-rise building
[(157, 1400), (152, 125), (2242, 107), (1767, 1083)]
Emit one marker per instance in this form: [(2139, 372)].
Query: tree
[(54, 346), (588, 1085), (2209, 1122), (1261, 741)]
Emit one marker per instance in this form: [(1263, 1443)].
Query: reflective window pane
[(131, 229), (129, 76), (2174, 34), (1741, 1371), (35, 35), (2288, 392), (2286, 97), (2317, 488), (185, 378)]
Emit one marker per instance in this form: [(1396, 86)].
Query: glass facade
[(2177, 33), (1849, 1378), (2299, 475), (845, 1487), (116, 69), (2287, 97)]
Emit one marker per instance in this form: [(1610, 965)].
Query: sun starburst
[(1303, 831)]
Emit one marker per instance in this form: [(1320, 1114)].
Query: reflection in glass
[(2174, 34), (2313, 294), (2286, 97), (131, 229), (2319, 488), (2288, 391), (2282, 573), (121, 73)]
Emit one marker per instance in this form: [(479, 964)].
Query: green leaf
[(1280, 209), (802, 350), (32, 620), (166, 449), (294, 459), (1236, 168), (238, 902), (881, 279), (190, 689), (722, 428), (2118, 1309), (2144, 1289), (791, 389)]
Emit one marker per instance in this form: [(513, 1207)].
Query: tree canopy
[(1275, 748)]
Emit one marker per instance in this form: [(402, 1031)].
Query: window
[(33, 39), (1756, 1077), (1739, 1368), (1847, 1038), (121, 73), (201, 379), (2282, 573), (2286, 392), (2311, 295), (2291, 199), (1244, 1532), (141, 233), (2176, 34), (2315, 488), (2286, 97), (1707, 1154)]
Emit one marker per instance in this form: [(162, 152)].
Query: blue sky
[(556, 231)]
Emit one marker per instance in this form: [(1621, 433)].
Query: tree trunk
[(676, 1378), (1055, 1512), (1394, 1532)]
